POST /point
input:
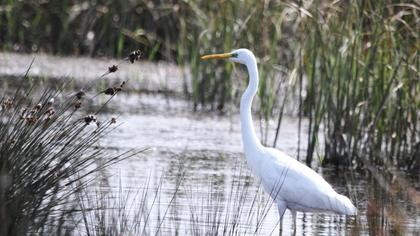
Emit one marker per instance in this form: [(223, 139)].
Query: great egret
[(291, 184)]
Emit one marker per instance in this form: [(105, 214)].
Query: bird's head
[(243, 56)]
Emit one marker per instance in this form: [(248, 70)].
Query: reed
[(179, 31), (48, 153), (350, 68), (361, 62), (109, 211), (163, 209)]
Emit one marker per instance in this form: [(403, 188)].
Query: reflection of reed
[(386, 212), (239, 208)]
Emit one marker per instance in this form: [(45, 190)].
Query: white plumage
[(291, 184)]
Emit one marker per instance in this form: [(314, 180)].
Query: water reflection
[(218, 194), (205, 186), (194, 180)]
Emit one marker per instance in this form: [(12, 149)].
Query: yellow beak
[(216, 56)]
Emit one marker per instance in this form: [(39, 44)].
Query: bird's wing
[(286, 179)]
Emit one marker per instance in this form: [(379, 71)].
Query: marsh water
[(194, 162), (192, 176)]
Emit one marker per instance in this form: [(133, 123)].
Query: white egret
[(291, 184)]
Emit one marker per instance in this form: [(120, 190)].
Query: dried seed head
[(80, 94), (50, 111), (109, 91), (113, 120), (134, 56), (77, 104), (31, 120), (122, 84), (38, 106), (7, 104), (89, 118), (112, 69), (98, 124)]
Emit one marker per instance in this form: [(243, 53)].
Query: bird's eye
[(234, 55)]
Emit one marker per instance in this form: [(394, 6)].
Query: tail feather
[(344, 206)]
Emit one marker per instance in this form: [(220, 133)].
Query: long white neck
[(249, 138)]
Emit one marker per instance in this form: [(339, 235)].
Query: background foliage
[(351, 67)]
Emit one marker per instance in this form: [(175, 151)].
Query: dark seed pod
[(134, 56), (80, 94), (77, 104), (50, 111), (112, 69), (113, 120), (7, 104), (89, 118), (109, 91), (31, 120), (38, 106)]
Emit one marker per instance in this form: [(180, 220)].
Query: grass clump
[(351, 67), (48, 153), (362, 66), (172, 206), (178, 31)]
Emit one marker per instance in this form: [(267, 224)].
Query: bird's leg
[(281, 206), (294, 221)]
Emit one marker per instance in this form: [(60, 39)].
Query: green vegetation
[(351, 68), (51, 180), (48, 153), (362, 67)]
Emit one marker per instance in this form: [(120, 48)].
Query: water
[(144, 76), (193, 179), (196, 165)]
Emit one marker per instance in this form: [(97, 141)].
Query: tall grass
[(109, 211), (216, 209), (48, 153), (177, 30), (236, 210), (361, 61), (351, 68)]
